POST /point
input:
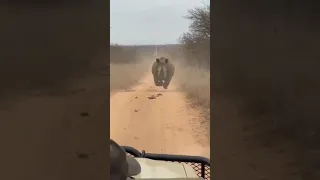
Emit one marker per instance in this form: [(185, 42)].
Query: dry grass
[(122, 76), (127, 65), (195, 82)]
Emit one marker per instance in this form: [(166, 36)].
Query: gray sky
[(137, 22)]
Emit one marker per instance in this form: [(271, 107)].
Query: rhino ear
[(167, 60), (157, 60)]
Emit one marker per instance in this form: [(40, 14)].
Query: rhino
[(163, 71)]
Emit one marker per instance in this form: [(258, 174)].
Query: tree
[(200, 22), (196, 42)]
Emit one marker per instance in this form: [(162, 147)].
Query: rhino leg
[(156, 81), (167, 82)]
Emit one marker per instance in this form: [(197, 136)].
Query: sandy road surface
[(166, 124)]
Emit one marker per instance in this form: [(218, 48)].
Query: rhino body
[(163, 71)]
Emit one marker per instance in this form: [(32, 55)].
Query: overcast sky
[(137, 22)]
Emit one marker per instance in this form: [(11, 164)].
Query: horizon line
[(144, 44)]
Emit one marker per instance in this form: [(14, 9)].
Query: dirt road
[(157, 120)]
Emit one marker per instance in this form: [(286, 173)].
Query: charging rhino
[(162, 70)]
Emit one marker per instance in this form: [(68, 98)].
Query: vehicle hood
[(151, 169)]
